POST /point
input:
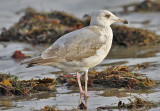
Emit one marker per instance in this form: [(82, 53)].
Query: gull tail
[(33, 62), (41, 61)]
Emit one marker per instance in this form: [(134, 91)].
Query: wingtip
[(27, 63), (30, 65)]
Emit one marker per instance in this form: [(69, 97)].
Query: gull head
[(105, 18)]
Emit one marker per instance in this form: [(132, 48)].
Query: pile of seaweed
[(136, 103), (115, 76), (35, 27), (148, 6), (10, 85), (145, 6), (125, 36)]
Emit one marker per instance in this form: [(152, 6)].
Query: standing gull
[(82, 49)]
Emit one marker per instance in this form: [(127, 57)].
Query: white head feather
[(105, 18)]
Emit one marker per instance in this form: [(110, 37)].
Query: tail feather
[(33, 62), (40, 61)]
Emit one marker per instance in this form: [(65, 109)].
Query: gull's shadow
[(81, 105)]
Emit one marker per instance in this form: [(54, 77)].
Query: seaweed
[(10, 85), (145, 6), (18, 55), (46, 27), (35, 27), (46, 84), (134, 104), (115, 76), (148, 6), (139, 103), (142, 66), (48, 108), (125, 36)]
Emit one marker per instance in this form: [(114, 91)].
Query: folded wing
[(76, 45)]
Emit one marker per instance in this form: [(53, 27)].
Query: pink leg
[(79, 83), (86, 83)]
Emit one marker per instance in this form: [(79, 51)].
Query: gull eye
[(107, 15)]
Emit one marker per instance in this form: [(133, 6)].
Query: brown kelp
[(125, 36), (35, 27), (145, 6), (10, 85), (115, 76)]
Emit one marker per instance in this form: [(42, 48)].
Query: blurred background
[(12, 10)]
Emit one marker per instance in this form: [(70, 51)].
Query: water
[(68, 98)]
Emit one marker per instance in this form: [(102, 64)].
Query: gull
[(80, 50)]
